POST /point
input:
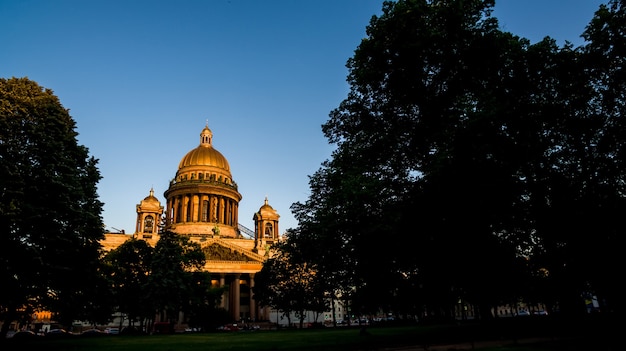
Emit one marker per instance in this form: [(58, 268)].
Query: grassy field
[(415, 337)]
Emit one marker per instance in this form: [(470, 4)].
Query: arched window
[(148, 224), (269, 230)]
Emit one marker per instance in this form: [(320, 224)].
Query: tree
[(322, 236), (175, 259), (400, 134), (289, 284), (499, 161), (203, 311), (129, 267), (50, 215), (605, 54)]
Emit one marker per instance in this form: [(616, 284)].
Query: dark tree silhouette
[(129, 269), (50, 215), (472, 166), (174, 260)]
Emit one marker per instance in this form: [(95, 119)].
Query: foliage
[(50, 215), (604, 55), (129, 270), (167, 278), (174, 260), (202, 310), (471, 165), (288, 283)]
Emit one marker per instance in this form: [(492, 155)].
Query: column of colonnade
[(189, 208), (224, 295), (231, 298), (253, 313), (237, 297)]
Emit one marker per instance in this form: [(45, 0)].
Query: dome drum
[(202, 213), (203, 189), (185, 180)]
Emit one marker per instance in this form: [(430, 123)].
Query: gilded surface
[(216, 252), (204, 156)]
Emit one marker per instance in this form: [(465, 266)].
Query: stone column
[(137, 226), (178, 209), (224, 294), (214, 217), (236, 297), (185, 208), (171, 213), (195, 205), (221, 212), (253, 312)]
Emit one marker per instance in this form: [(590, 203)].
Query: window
[(148, 224), (205, 210)]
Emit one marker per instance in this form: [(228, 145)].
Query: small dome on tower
[(267, 211), (150, 202)]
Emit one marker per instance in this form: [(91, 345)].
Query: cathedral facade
[(202, 203)]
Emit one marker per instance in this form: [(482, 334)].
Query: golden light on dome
[(203, 199), (204, 156)]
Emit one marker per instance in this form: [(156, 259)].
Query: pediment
[(217, 252)]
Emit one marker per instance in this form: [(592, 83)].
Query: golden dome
[(205, 154)]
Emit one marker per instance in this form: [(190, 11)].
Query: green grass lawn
[(443, 338)]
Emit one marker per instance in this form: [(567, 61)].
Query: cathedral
[(202, 203)]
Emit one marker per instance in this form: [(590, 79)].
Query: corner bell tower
[(265, 228), (149, 212)]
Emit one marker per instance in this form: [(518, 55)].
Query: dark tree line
[(289, 284), (145, 282), (50, 215), (51, 258), (471, 164)]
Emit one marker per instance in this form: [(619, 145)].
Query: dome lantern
[(206, 136)]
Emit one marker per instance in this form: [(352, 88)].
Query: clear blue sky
[(142, 77)]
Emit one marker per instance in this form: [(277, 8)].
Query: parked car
[(132, 331), (93, 333), (112, 330), (229, 327), (58, 333)]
